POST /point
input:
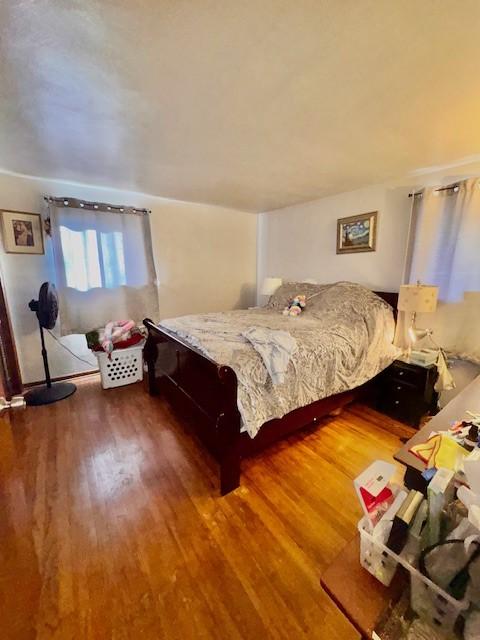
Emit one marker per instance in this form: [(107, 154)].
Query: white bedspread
[(343, 339)]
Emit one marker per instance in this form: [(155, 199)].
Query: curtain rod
[(74, 203), (451, 187)]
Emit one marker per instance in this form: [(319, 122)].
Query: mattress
[(343, 338)]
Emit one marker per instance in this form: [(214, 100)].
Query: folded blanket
[(275, 347)]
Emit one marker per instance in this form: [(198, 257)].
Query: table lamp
[(270, 285), (417, 298)]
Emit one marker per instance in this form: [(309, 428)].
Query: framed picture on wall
[(356, 234), (22, 232)]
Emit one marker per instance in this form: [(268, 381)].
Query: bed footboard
[(198, 383), (210, 389)]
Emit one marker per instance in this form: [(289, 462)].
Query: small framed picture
[(22, 232), (357, 233)]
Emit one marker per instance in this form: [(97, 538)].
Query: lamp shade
[(270, 285), (417, 298)]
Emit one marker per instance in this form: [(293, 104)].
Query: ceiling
[(251, 104)]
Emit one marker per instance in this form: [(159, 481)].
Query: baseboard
[(72, 376)]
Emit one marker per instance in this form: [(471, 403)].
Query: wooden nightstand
[(406, 391)]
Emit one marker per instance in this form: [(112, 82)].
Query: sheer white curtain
[(445, 250), (104, 267)]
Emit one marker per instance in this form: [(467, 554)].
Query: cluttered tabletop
[(460, 408), (428, 540)]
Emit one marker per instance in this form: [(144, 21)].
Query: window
[(445, 238), (444, 246), (103, 264), (93, 259), (113, 257)]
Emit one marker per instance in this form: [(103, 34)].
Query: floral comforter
[(344, 338)]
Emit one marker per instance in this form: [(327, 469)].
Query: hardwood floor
[(112, 525)]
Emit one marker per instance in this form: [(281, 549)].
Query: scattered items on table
[(295, 306), (435, 538), (429, 473), (440, 450), (471, 439), (450, 448), (119, 334)]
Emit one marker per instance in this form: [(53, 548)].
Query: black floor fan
[(46, 309)]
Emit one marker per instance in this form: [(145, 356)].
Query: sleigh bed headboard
[(391, 297)]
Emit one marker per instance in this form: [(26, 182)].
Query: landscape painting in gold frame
[(22, 232), (356, 234)]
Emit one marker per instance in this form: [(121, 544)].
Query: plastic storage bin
[(428, 600), (374, 559), (124, 367)]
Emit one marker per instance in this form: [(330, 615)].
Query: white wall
[(205, 258), (299, 242)]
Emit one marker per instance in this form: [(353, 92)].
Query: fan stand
[(49, 392)]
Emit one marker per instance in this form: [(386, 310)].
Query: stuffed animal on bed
[(295, 306)]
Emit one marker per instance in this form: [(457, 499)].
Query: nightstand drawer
[(406, 391), (401, 389), (398, 394), (404, 412), (412, 375)]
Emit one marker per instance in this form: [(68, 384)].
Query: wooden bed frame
[(210, 389)]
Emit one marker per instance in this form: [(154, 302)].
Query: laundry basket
[(428, 600), (124, 367)]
